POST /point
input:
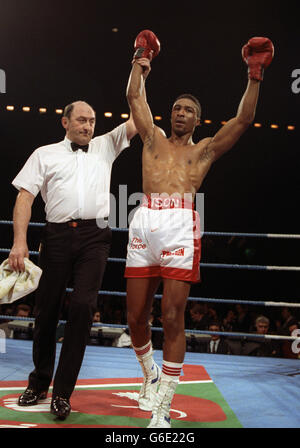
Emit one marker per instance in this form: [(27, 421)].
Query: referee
[(73, 177)]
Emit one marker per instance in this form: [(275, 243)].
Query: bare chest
[(178, 168)]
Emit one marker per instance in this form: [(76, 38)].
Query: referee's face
[(81, 124)]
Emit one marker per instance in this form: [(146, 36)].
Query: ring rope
[(252, 267), (254, 235), (201, 299), (204, 332), (214, 265), (211, 299)]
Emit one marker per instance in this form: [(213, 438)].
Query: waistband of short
[(161, 203), (77, 223)]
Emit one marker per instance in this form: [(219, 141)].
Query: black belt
[(77, 222)]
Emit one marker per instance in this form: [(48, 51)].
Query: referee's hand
[(16, 257)]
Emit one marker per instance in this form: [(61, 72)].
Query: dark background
[(56, 52)]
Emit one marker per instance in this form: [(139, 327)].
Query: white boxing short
[(164, 240)]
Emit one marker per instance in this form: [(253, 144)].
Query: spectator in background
[(23, 310), (212, 313), (217, 343), (20, 330), (96, 333), (287, 317), (118, 317), (262, 325), (6, 310), (261, 346), (229, 321), (243, 319), (199, 316), (97, 317)]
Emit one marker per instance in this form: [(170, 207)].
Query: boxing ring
[(223, 391)]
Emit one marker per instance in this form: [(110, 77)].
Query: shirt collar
[(67, 144)]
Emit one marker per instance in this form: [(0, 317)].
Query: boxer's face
[(184, 117), (81, 124)]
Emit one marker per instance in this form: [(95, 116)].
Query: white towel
[(14, 285)]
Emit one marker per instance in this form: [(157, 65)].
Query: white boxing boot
[(161, 410), (149, 387)]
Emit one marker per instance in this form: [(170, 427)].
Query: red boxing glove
[(258, 54), (146, 45)]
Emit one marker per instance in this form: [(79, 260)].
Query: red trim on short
[(185, 275), (197, 246), (142, 272)]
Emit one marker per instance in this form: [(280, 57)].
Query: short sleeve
[(115, 140), (31, 176)]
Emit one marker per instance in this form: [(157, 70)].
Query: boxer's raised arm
[(257, 54), (146, 46), (130, 124), (136, 98), (229, 134)]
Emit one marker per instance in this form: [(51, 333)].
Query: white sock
[(144, 357), (171, 371), (143, 352)]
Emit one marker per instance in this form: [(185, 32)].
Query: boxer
[(166, 227)]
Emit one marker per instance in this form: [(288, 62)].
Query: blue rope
[(250, 235), (252, 267), (279, 303), (213, 300), (187, 331), (31, 224)]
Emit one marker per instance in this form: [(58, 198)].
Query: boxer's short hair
[(192, 98)]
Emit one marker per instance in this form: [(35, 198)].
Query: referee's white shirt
[(73, 185)]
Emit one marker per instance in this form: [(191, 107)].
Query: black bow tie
[(75, 147)]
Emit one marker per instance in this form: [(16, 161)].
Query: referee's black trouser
[(67, 252)]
